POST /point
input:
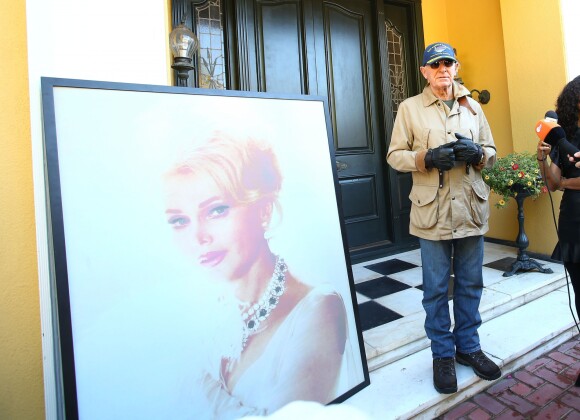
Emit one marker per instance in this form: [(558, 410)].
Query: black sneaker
[(482, 365), (444, 378)]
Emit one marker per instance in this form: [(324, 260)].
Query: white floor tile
[(491, 276), (491, 299), (523, 283), (413, 257), (412, 277), (361, 274), (405, 302), (361, 298)]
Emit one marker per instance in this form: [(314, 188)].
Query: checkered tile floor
[(389, 289)]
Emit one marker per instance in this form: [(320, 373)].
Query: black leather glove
[(441, 157), (466, 150)]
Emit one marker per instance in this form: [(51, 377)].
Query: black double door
[(354, 52)]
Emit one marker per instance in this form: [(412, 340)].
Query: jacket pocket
[(467, 132), (425, 208), (422, 142), (479, 202)]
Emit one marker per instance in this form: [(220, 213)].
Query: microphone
[(550, 132), (551, 116)]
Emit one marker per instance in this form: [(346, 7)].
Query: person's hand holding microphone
[(543, 150), (553, 135)]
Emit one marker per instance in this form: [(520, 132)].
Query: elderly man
[(442, 137)]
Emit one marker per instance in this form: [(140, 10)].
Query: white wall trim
[(570, 13), (121, 41)]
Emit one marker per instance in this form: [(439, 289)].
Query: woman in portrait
[(286, 337)]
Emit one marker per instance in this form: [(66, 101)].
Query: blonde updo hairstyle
[(245, 170)]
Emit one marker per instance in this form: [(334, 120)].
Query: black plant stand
[(524, 262)]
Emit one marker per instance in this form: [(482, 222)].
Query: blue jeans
[(467, 288)]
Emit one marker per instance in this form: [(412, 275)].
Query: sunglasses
[(435, 64)]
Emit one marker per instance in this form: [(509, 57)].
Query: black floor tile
[(382, 286), (504, 264), (391, 266), (372, 315)]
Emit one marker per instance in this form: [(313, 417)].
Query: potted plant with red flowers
[(517, 176)]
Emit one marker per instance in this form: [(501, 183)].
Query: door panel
[(280, 47), (348, 79), (273, 50), (363, 206), (347, 34)]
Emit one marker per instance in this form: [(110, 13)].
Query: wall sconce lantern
[(483, 97), (183, 44)]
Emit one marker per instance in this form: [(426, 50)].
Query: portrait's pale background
[(141, 313)]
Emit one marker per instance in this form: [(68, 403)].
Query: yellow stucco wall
[(536, 73), (480, 48), (21, 384), (435, 21)]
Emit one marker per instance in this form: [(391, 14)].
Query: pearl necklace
[(258, 312)]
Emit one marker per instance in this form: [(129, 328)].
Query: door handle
[(341, 166)]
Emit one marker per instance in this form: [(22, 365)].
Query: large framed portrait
[(198, 254)]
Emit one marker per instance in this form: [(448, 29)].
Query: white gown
[(261, 388)]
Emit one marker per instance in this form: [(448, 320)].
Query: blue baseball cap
[(438, 51)]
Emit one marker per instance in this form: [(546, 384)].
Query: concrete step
[(524, 317)]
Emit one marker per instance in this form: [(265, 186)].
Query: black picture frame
[(122, 313)]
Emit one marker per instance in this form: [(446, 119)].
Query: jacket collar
[(429, 97)]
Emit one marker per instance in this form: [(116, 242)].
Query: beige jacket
[(459, 207)]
